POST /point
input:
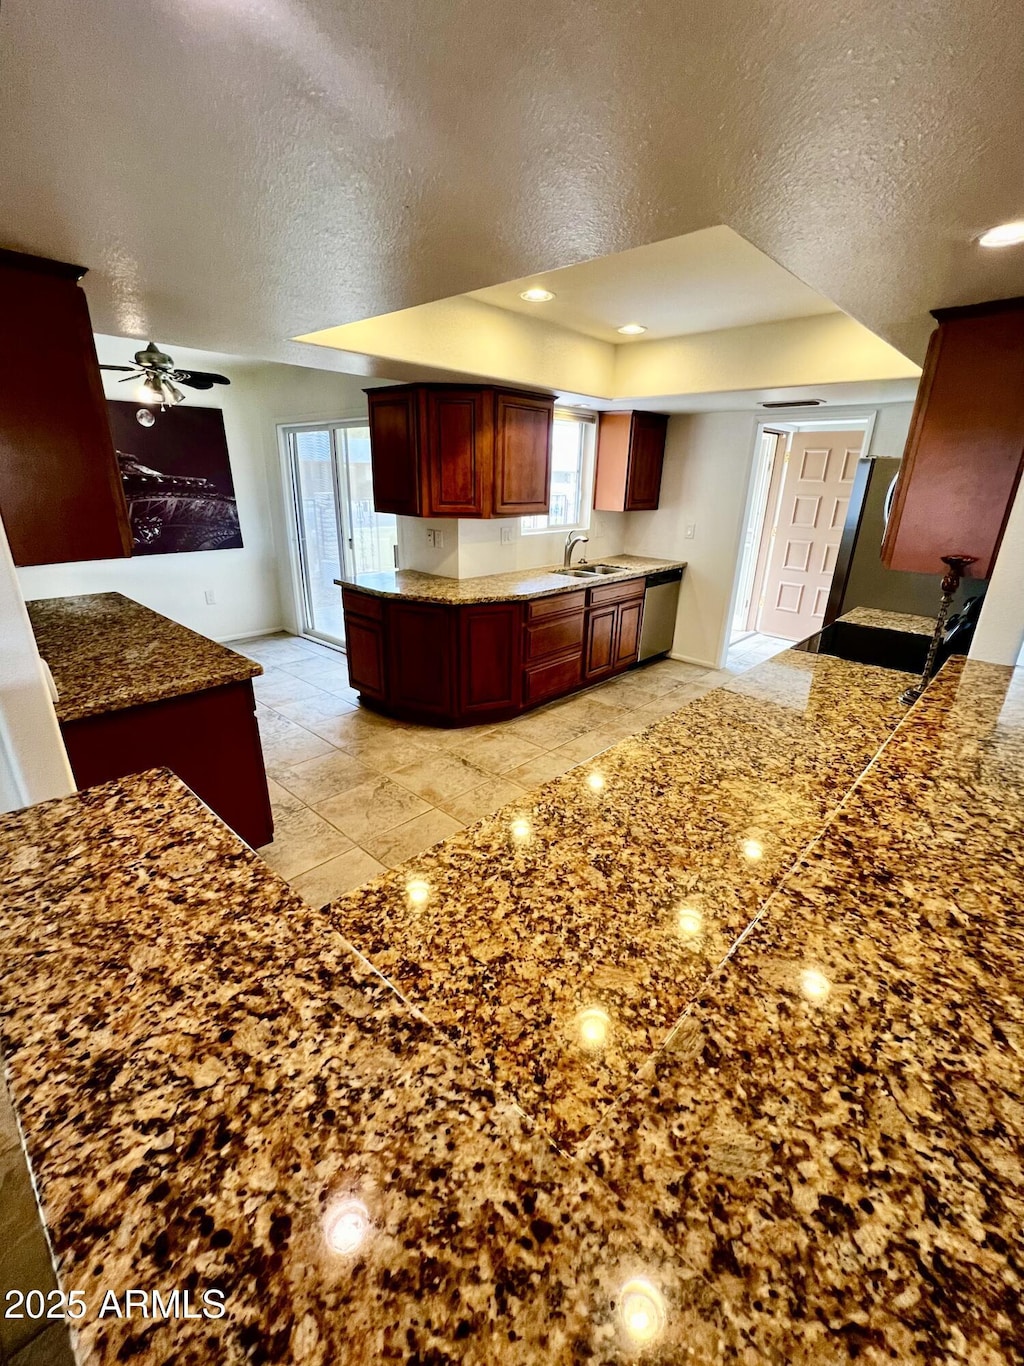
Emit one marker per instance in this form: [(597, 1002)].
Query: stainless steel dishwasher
[(661, 598)]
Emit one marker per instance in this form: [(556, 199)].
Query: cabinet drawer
[(617, 592), (555, 606), (549, 680), (554, 637), (363, 604)]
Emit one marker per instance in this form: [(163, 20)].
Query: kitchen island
[(136, 691), (757, 971), (453, 652)]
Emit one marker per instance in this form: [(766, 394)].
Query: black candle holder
[(955, 566)]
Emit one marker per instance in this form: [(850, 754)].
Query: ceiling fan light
[(152, 390), (173, 393)]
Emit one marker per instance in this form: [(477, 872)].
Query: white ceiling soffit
[(235, 174), (703, 282), (866, 394), (468, 337)]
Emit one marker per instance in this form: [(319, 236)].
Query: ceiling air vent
[(794, 403)]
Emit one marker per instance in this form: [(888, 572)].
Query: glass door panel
[(315, 492), (372, 537)]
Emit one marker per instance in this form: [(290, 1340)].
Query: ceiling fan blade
[(198, 379), (118, 367), (136, 374)]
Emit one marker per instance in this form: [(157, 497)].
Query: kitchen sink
[(590, 571)]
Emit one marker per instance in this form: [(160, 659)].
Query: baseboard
[(689, 659), (252, 635)]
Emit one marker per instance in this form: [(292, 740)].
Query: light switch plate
[(506, 535), (691, 528)]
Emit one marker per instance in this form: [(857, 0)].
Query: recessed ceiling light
[(631, 329), (536, 295), (1006, 235)]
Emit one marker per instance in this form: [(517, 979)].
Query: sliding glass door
[(337, 532)]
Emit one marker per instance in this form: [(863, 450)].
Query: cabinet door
[(627, 642), (489, 663), (364, 643), (458, 452), (522, 455), (61, 496), (395, 452), (964, 450), (420, 650), (646, 458), (599, 655)]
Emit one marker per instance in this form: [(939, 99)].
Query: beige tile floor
[(354, 793)]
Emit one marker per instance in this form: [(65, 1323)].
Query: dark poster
[(177, 479)]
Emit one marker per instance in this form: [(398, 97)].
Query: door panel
[(420, 650), (816, 487), (628, 641), (522, 455), (457, 452), (599, 657), (646, 458), (396, 455), (489, 654)]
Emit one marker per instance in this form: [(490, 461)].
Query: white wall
[(245, 581), (999, 638), (33, 762), (708, 464)]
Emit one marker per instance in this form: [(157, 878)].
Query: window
[(571, 444)]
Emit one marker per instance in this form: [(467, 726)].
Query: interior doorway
[(337, 531), (802, 481)]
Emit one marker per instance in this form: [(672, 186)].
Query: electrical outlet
[(211, 597), (506, 535), (691, 528), (430, 535)]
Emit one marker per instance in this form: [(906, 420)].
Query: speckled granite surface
[(208, 1077), (817, 1161), (834, 1134), (524, 583), (892, 621), (107, 653), (622, 899)]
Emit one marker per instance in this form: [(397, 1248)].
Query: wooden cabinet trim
[(538, 608), (617, 592)]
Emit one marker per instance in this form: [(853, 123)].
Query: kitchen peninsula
[(780, 1049), (466, 651), (136, 690)]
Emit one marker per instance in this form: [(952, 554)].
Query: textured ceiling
[(703, 282), (236, 172)]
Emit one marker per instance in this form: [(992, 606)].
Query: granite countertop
[(522, 583), (881, 620), (107, 653), (757, 972)]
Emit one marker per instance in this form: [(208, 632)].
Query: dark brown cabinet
[(522, 455), (61, 497), (443, 450), (613, 628), (209, 739), (630, 457), (461, 664), (394, 441), (965, 448), (364, 642), (491, 668)]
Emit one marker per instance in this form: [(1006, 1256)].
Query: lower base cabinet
[(468, 664), (209, 739)]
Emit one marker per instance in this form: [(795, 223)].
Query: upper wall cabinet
[(966, 442), (630, 456), (448, 450), (61, 497)]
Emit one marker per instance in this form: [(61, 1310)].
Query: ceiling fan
[(160, 379)]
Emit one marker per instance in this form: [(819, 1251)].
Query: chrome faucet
[(573, 539)]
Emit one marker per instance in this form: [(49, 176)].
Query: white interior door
[(815, 494)]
